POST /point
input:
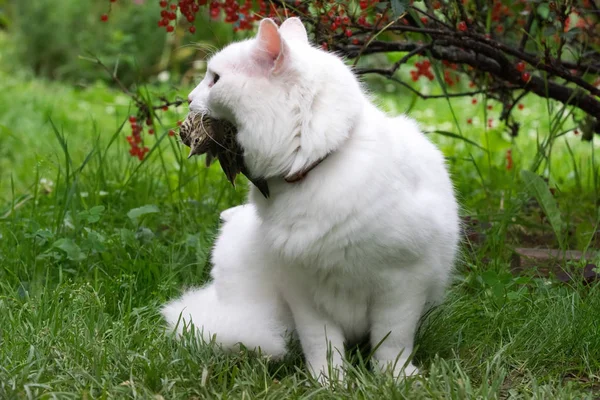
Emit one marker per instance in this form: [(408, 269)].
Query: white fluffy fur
[(359, 248)]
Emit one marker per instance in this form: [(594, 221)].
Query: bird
[(217, 139)]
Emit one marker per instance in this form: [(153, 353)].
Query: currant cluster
[(337, 19), (137, 148), (423, 69), (239, 13), (490, 121), (500, 13), (450, 73), (526, 76), (509, 160), (168, 14), (104, 17), (136, 123), (344, 21)]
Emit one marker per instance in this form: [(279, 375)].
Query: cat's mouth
[(217, 139)]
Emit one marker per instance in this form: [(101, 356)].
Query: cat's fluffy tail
[(241, 304), (232, 323)]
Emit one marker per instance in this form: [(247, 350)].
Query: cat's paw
[(406, 372), (400, 370)]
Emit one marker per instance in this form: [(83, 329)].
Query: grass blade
[(539, 189)]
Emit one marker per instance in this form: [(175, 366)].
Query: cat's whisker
[(212, 138), (209, 48)]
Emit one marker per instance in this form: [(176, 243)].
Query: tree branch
[(499, 67)]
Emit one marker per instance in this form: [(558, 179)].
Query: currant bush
[(497, 47)]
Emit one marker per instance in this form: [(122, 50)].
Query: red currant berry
[(170, 28), (520, 66), (104, 17), (163, 4), (526, 76), (192, 29), (462, 26)]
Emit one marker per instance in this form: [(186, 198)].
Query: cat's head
[(291, 102)]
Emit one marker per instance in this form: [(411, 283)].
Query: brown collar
[(300, 175)]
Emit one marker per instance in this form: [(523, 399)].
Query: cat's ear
[(293, 29), (270, 45)]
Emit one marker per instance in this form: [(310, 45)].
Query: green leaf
[(490, 278), (543, 10), (127, 237), (539, 189), (399, 7), (41, 236), (498, 292), (513, 295), (97, 210), (522, 280), (136, 213), (72, 251), (144, 235), (92, 215), (94, 242)]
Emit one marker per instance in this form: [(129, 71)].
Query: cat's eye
[(216, 78)]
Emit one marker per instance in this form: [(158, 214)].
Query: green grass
[(82, 278)]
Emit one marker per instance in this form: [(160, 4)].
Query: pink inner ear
[(269, 39)]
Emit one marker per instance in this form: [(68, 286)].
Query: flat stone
[(554, 262)]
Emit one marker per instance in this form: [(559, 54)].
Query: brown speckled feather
[(216, 139)]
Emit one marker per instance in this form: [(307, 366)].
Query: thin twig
[(527, 31)]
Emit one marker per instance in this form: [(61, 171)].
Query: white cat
[(360, 231)]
